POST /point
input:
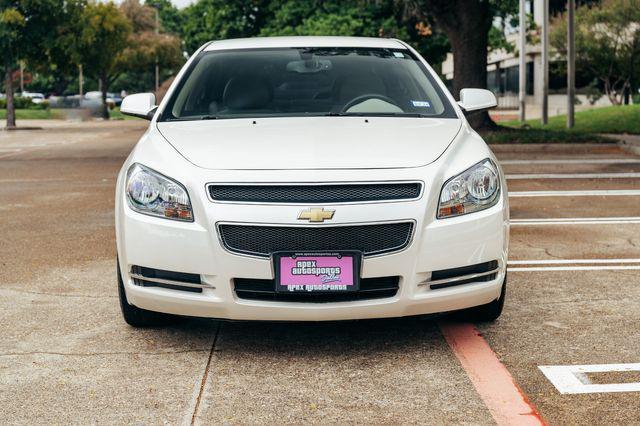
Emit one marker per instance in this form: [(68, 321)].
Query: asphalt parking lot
[(66, 356)]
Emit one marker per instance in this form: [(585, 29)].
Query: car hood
[(311, 142)]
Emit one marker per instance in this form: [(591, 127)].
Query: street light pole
[(22, 78), (545, 61), (157, 65), (571, 64), (80, 81), (522, 72)]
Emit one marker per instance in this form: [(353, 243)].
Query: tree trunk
[(104, 86), (11, 110), (467, 23)]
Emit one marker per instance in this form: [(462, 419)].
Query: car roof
[(306, 41)]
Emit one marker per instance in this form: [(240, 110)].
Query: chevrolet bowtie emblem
[(316, 214)]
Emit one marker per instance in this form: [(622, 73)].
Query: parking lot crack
[(205, 375), (91, 296), (89, 354)]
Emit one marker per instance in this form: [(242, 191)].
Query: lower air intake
[(370, 288), (149, 277), (481, 272)]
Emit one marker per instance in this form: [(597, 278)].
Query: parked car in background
[(115, 97), (97, 96), (35, 97)]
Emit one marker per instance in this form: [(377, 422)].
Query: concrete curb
[(630, 143)]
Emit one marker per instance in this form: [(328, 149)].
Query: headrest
[(247, 92)]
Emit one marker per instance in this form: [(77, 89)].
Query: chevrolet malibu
[(309, 179)]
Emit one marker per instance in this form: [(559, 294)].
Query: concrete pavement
[(66, 356)]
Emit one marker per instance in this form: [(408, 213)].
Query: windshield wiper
[(375, 114)]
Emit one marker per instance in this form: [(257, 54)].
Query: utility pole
[(157, 66), (522, 71), (22, 78), (571, 64), (545, 62), (80, 81)]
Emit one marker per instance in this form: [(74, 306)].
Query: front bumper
[(193, 248)]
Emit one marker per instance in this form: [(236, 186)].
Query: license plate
[(317, 272)]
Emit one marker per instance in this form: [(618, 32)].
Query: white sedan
[(309, 179)]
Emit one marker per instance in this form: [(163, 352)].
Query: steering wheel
[(366, 97)]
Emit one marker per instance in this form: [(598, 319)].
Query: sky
[(181, 3)]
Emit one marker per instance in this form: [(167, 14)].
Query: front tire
[(492, 310), (137, 317)]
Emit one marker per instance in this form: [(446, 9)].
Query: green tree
[(467, 24), (170, 17), (27, 32), (380, 18), (104, 37), (607, 44), (208, 20), (147, 43)]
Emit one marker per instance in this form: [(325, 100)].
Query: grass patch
[(510, 135), (115, 114), (612, 119), (31, 114)]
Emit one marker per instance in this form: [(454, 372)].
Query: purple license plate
[(317, 272)]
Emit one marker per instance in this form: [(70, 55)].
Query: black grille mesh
[(315, 193), (264, 240)]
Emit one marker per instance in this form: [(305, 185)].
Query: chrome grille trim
[(460, 278), (169, 282)]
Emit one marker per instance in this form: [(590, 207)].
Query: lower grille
[(265, 240), (149, 277), (481, 272), (370, 288)]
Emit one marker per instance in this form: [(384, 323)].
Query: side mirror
[(472, 100), (141, 105)]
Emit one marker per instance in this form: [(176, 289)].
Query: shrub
[(24, 103)]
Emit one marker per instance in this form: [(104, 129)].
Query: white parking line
[(622, 175), (576, 221), (576, 161), (571, 379), (575, 268), (585, 193), (569, 261)]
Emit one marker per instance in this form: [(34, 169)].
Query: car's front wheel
[(492, 310), (137, 317)]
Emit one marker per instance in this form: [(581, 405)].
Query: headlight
[(151, 193), (475, 189)]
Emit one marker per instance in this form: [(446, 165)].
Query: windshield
[(306, 82)]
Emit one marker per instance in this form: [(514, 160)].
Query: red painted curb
[(493, 382)]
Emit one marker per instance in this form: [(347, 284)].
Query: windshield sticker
[(422, 104), (398, 54)]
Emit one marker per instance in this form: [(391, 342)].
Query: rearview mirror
[(141, 105), (477, 100)]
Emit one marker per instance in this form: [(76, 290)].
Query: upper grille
[(264, 240), (314, 194)]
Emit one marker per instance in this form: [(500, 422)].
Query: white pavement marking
[(621, 175), (570, 379), (587, 193), (576, 161), (575, 268), (576, 221), (569, 261)]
